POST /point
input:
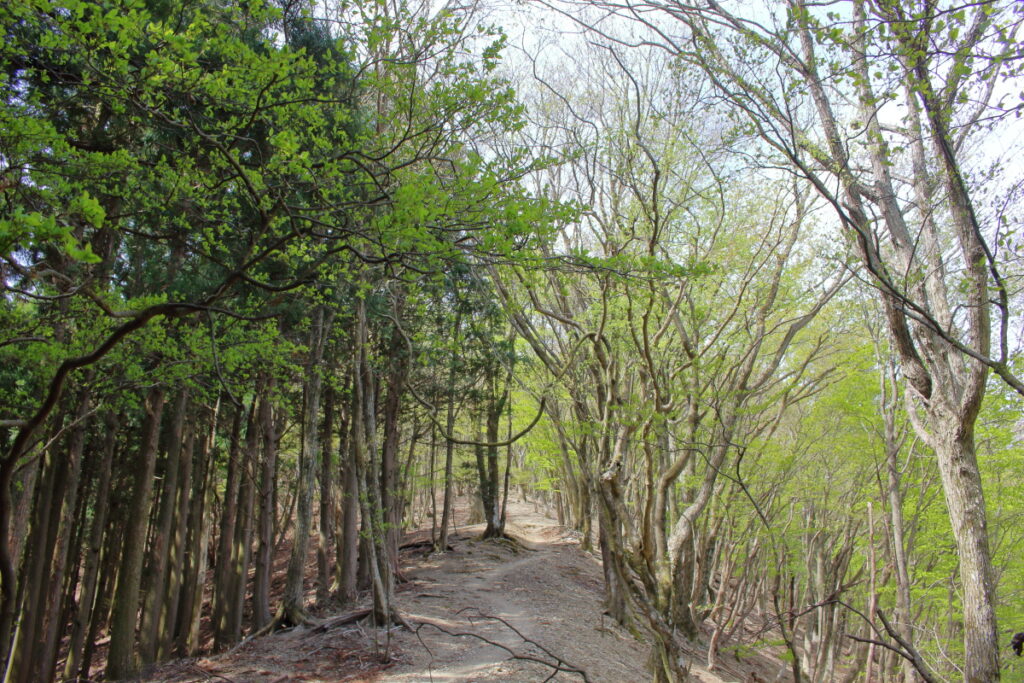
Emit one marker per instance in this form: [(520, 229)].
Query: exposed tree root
[(421, 545), (509, 541), (286, 618), (399, 619), (296, 616)]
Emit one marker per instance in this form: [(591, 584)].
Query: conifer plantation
[(707, 313)]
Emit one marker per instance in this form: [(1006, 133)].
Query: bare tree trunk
[(294, 611), (869, 674), (327, 474), (369, 465), (185, 625), (958, 465), (898, 549), (31, 594), (487, 467), (265, 526), (407, 484), (87, 596), (242, 554), (449, 446), (610, 521), (508, 467), (430, 473), (449, 457), (160, 544), (121, 662), (64, 511), (179, 538), (101, 612), (13, 539), (348, 546), (391, 496), (226, 579)]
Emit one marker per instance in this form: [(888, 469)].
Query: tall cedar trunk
[(13, 539), (26, 486), (430, 474), (508, 464), (407, 482), (391, 497), (449, 446), (121, 662), (71, 585), (35, 564), (241, 556), (368, 464), (487, 499), (160, 543), (225, 579), (186, 617), (87, 596), (488, 468), (339, 493), (179, 536), (202, 553), (110, 555), (327, 473), (21, 656), (449, 456), (7, 572), (31, 571), (348, 544), (265, 526), (101, 612), (320, 327), (53, 619)]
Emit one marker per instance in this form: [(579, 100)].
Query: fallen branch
[(341, 620), (559, 665), (904, 649)]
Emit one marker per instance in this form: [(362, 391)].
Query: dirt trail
[(537, 600), (544, 587)]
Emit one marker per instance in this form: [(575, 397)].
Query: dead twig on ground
[(559, 665), (341, 620)]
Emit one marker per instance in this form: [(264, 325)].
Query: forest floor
[(537, 599)]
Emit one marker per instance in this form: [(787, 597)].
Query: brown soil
[(539, 584), (537, 598)]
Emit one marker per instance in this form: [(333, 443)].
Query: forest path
[(543, 586)]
